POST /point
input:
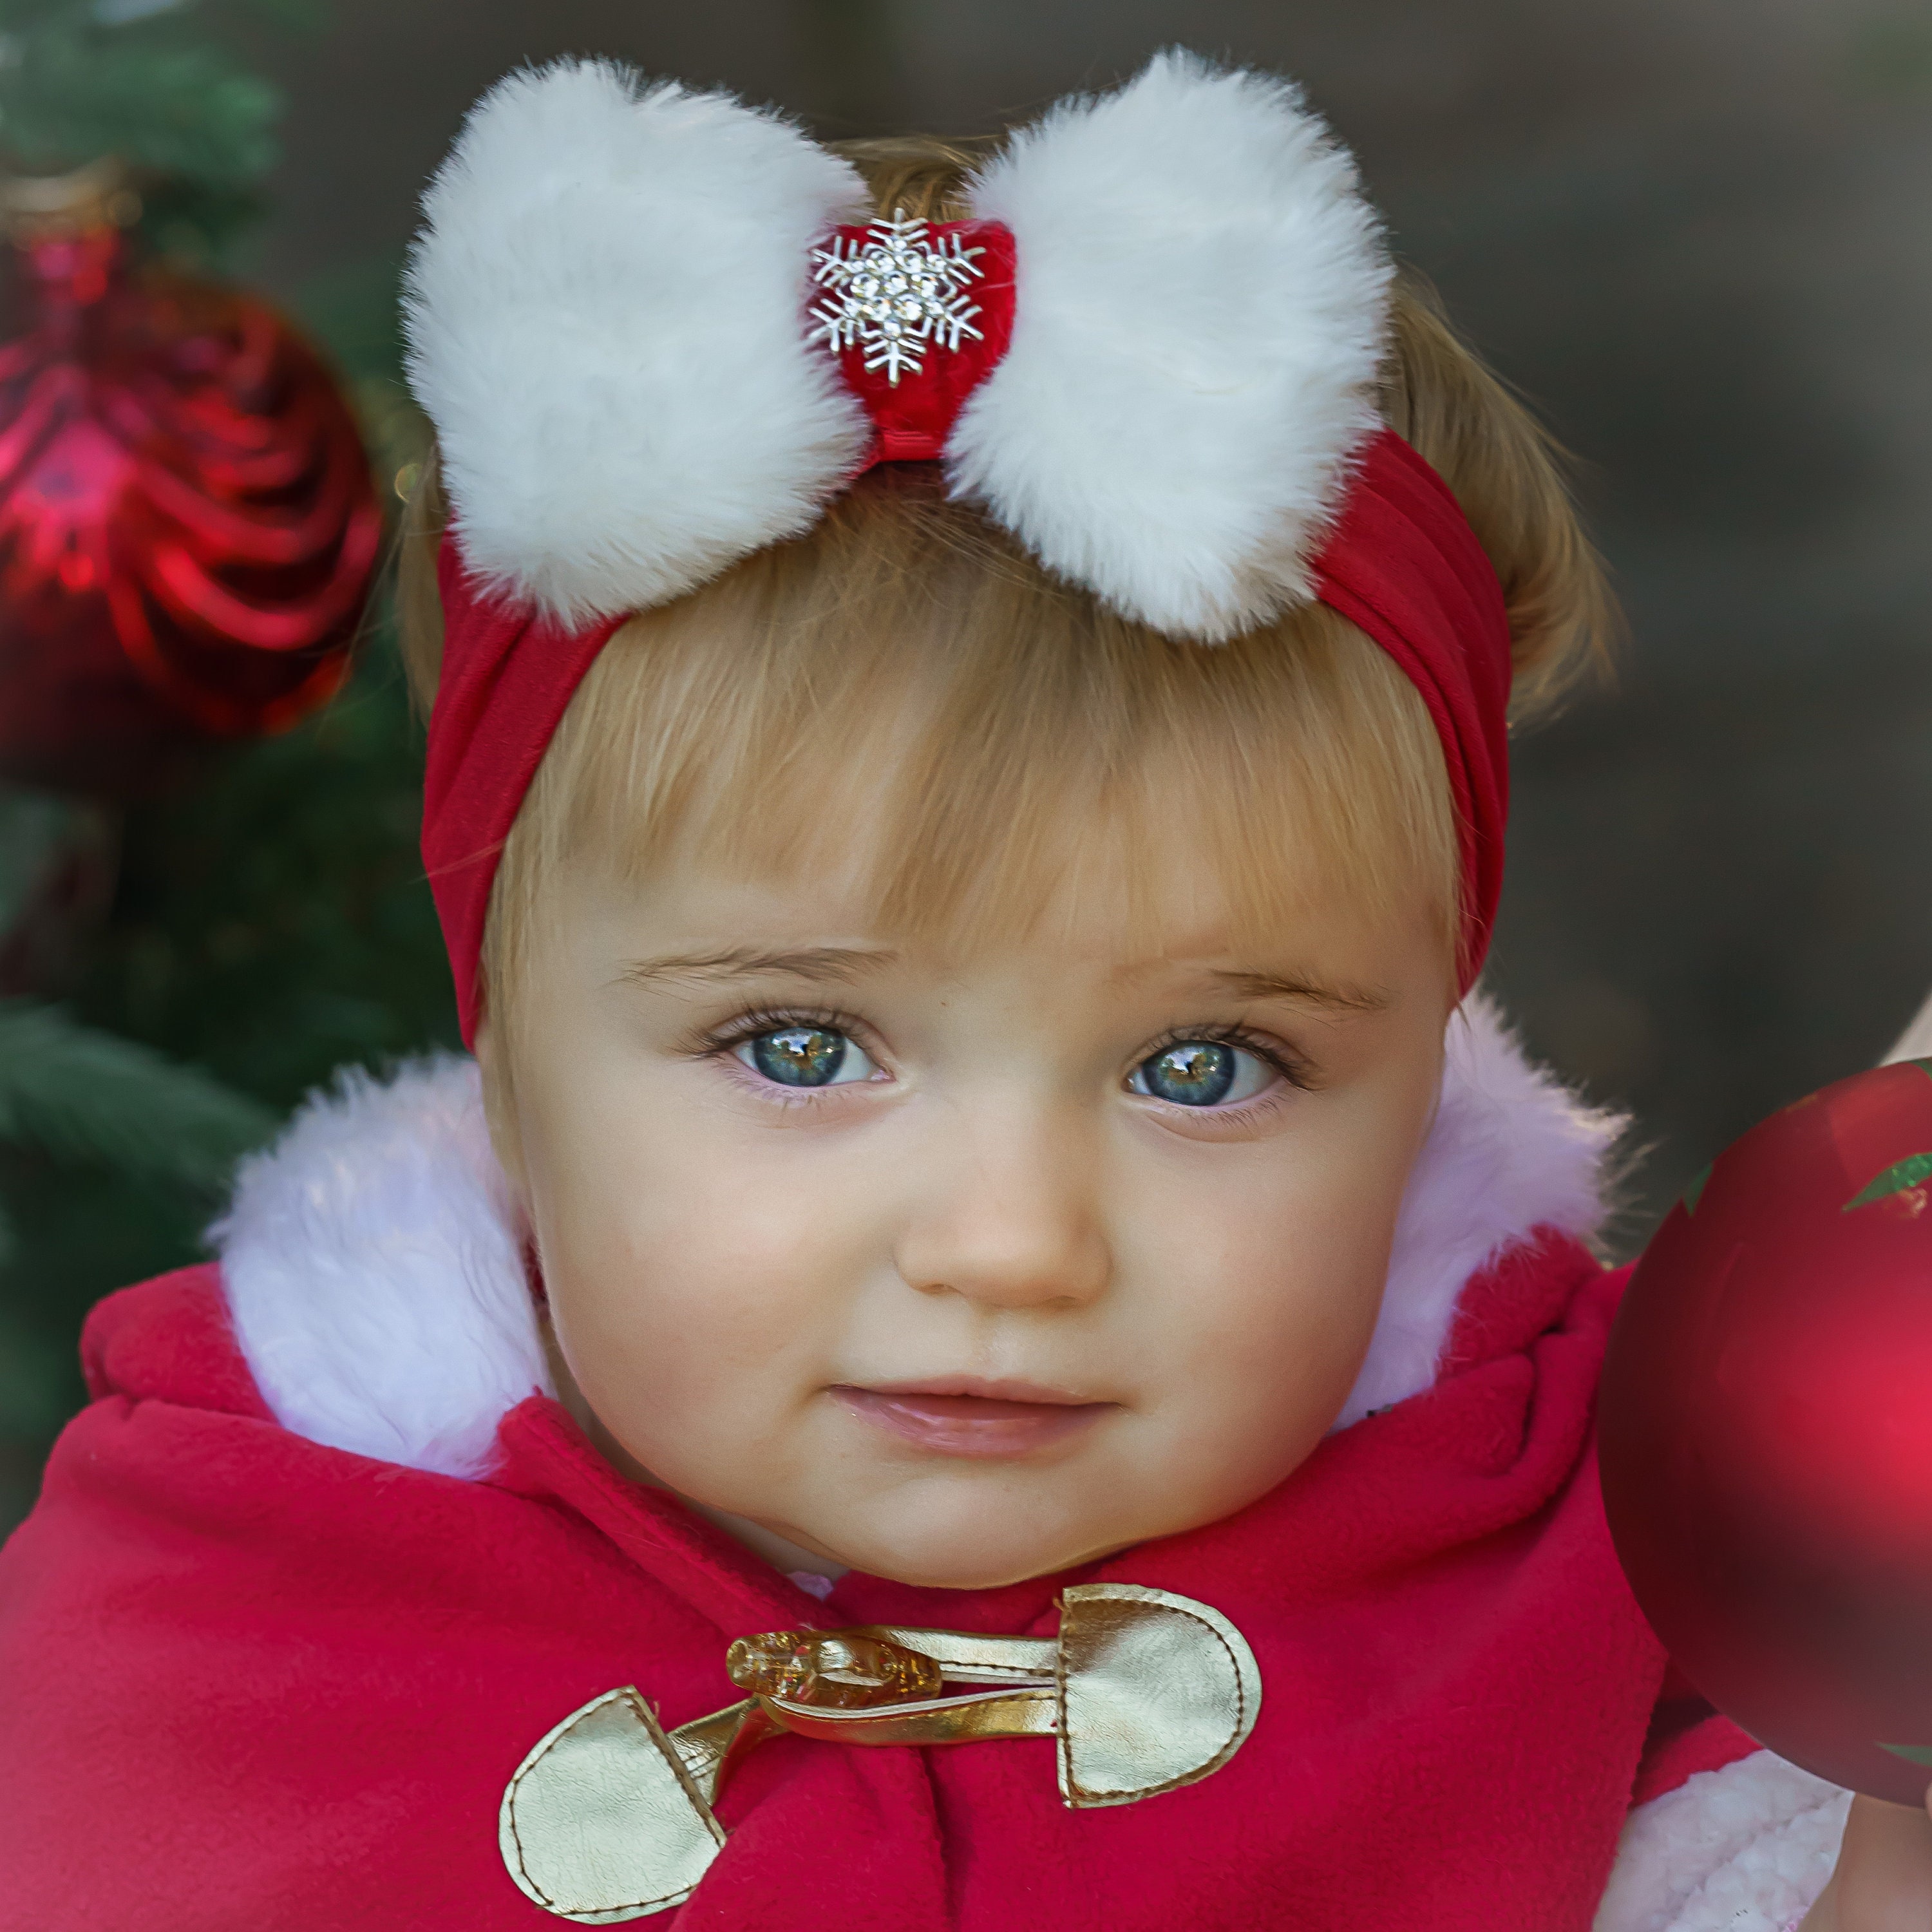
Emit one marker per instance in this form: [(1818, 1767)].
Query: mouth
[(964, 1415)]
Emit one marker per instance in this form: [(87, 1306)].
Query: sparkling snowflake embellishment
[(894, 293)]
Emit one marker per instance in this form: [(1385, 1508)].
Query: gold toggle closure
[(874, 1685), (841, 1670), (609, 1817)]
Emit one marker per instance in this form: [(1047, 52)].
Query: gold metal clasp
[(841, 1670)]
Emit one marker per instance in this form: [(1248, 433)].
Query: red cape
[(249, 1681)]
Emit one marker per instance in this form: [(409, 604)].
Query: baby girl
[(994, 1336)]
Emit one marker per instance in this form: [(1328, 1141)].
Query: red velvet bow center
[(915, 380)]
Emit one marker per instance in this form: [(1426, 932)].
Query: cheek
[(1259, 1292), (699, 1270)]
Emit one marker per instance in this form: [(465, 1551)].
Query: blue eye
[(806, 1056), (1201, 1073)]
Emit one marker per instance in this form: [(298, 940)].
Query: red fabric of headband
[(1402, 562), (1404, 565)]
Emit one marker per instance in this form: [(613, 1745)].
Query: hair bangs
[(903, 691)]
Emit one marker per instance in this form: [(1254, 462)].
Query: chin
[(935, 1555)]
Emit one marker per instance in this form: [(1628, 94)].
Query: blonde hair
[(990, 707)]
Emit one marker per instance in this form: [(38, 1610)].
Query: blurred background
[(1699, 238)]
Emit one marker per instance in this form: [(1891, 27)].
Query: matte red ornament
[(188, 527), (1766, 1433)]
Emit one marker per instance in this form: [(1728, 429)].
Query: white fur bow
[(606, 306)]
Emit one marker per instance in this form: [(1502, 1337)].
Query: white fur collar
[(376, 1275)]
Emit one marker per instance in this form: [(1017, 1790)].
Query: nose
[(1012, 1220)]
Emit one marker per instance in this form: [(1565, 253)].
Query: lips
[(966, 1416)]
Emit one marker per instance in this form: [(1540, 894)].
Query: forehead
[(1112, 914), (993, 767)]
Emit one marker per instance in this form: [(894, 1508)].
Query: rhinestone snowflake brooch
[(894, 293)]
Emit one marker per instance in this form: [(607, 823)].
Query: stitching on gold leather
[(550, 1904), (1219, 1758), (1063, 1742)]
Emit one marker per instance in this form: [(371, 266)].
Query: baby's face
[(962, 1268)]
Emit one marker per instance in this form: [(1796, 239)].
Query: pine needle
[(80, 1094)]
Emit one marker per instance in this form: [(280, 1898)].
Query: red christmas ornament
[(1766, 1433), (188, 524)]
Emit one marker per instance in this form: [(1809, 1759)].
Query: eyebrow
[(1251, 985), (829, 965)]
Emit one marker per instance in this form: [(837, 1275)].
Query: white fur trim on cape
[(1202, 301), (1511, 1149), (1746, 1849), (377, 1284), (376, 1275), (604, 314), (1915, 1043)]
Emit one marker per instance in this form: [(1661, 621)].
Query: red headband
[(1402, 562), (1149, 357)]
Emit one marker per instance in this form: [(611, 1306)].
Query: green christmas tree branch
[(149, 81), (78, 1094)]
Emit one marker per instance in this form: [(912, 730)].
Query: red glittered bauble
[(1766, 1433), (188, 528)]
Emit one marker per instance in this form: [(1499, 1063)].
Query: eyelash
[(721, 1043), (1292, 1068)]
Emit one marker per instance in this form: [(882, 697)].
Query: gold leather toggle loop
[(609, 1818), (1155, 1691), (602, 1822), (873, 1685)]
